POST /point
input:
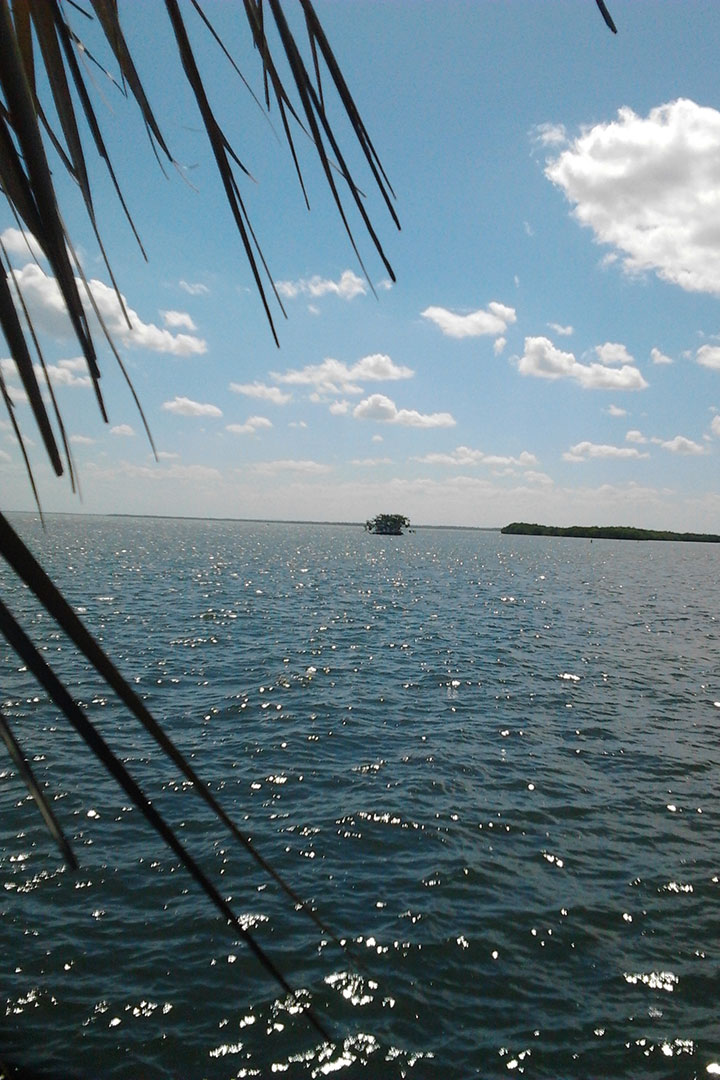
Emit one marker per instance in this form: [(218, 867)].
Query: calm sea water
[(491, 763)]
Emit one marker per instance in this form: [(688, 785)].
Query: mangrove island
[(388, 524), (607, 532)]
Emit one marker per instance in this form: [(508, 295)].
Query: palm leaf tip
[(606, 16)]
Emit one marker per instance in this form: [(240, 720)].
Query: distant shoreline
[(246, 521), (607, 532)]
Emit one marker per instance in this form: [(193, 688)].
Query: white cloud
[(492, 322), (381, 408), (310, 468), (715, 426), (681, 445), (194, 288), (184, 406), (370, 462), (658, 357), (635, 436), (539, 478), (611, 353), (615, 410), (544, 360), (252, 425), (5, 457), (64, 373), (123, 430), (264, 393), (377, 438), (551, 134), (582, 451), (20, 242), (336, 377), (178, 320), (647, 186), (81, 440), (499, 345), (463, 456), (563, 331), (49, 314), (339, 408), (347, 287), (166, 455), (709, 356)]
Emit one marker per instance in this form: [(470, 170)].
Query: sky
[(550, 350)]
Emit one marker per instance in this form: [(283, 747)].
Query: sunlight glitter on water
[(396, 738)]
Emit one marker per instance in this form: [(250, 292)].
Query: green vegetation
[(388, 524), (607, 532)]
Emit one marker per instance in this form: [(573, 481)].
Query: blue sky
[(551, 349)]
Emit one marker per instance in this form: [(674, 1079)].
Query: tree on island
[(388, 524)]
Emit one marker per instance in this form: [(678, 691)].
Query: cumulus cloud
[(635, 436), (492, 322), (64, 373), (544, 360), (178, 320), (647, 186), (194, 288), (291, 465), (47, 310), (463, 456), (499, 345), (252, 425), (715, 426), (615, 410), (681, 445), (259, 390), (709, 356), (583, 451), (336, 377), (563, 331), (381, 408), (339, 408), (658, 357), (81, 440), (348, 286), (611, 353), (20, 242), (371, 461), (124, 431), (551, 134), (538, 478), (184, 406)]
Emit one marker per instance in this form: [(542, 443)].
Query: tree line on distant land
[(607, 532)]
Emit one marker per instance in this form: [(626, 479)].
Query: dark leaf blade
[(606, 16), (29, 570), (28, 777), (46, 677), (15, 339)]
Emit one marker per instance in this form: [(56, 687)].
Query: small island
[(607, 532), (388, 524)]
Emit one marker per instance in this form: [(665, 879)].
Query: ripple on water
[(487, 761)]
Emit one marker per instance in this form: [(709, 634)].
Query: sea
[(490, 764)]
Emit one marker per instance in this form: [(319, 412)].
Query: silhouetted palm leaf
[(37, 33)]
